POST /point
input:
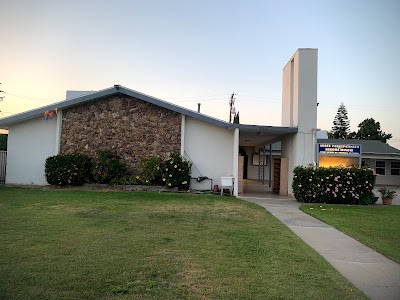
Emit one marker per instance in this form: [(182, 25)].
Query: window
[(380, 167), (395, 168)]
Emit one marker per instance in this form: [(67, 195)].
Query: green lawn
[(378, 227), (66, 244)]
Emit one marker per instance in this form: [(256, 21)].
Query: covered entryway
[(259, 161)]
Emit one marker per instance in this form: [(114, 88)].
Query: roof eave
[(117, 89), (31, 114)]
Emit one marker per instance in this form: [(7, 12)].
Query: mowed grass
[(67, 244), (377, 227)]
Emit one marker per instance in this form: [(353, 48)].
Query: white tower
[(299, 109)]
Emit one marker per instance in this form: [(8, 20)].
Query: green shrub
[(334, 185), (150, 171), (135, 180), (68, 169), (176, 172), (107, 166)]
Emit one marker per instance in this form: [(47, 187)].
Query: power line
[(1, 99), (352, 105), (201, 100), (28, 97), (215, 97), (262, 97), (209, 96)]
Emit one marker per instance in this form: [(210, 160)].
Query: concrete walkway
[(374, 274)]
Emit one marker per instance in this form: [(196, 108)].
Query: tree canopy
[(236, 118), (341, 124), (369, 129)]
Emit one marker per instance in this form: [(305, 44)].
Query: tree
[(236, 118), (3, 142), (369, 129), (341, 124)]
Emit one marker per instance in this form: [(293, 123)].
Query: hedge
[(334, 185), (68, 169)]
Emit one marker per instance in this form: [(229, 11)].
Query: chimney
[(198, 107)]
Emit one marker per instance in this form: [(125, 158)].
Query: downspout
[(58, 132), (270, 166), (183, 121), (314, 146)]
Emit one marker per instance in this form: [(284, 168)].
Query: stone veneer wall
[(134, 128)]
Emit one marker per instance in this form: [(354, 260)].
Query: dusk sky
[(187, 52)]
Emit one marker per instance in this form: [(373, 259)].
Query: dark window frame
[(395, 168), (380, 167)]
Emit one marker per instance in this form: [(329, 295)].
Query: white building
[(212, 145)]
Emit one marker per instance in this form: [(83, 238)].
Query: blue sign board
[(339, 149)]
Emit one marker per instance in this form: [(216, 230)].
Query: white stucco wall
[(210, 149), (29, 144), (298, 149)]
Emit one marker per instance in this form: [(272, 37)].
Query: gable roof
[(118, 89), (367, 146), (115, 90)]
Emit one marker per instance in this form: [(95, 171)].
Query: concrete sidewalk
[(374, 274)]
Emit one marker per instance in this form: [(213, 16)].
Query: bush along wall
[(150, 171), (68, 169), (176, 172), (107, 166), (334, 185)]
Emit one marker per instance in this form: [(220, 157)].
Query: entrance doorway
[(243, 153)]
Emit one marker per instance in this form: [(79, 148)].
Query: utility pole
[(232, 110), (1, 98)]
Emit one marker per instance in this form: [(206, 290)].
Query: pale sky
[(188, 51)]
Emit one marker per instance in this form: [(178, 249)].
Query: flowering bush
[(150, 171), (176, 172), (334, 185), (107, 166), (68, 169)]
